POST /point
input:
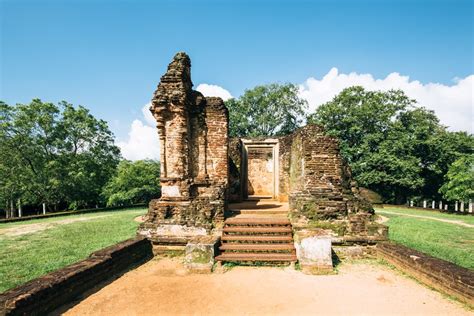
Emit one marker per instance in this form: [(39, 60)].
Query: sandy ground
[(382, 219), (162, 287), (34, 228), (139, 219), (451, 221)]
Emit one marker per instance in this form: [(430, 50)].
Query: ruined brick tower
[(193, 140)]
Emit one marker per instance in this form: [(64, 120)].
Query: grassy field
[(33, 248), (450, 241)]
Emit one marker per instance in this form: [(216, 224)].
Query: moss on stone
[(339, 228), (201, 256)]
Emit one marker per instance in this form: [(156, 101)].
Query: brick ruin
[(202, 169), (312, 176), (193, 140)]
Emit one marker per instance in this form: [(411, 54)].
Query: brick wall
[(235, 165), (439, 274), (49, 292)]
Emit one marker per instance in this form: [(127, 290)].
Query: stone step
[(257, 221), (255, 256), (260, 212), (257, 238), (257, 247), (257, 230)]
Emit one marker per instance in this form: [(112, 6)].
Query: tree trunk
[(12, 209)]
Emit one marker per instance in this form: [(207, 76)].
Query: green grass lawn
[(446, 241), (27, 250), (466, 218)]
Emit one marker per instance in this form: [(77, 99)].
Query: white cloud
[(210, 90), (453, 104), (149, 119), (142, 140)]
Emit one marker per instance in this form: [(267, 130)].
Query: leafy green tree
[(460, 180), (11, 182), (58, 155), (90, 153), (360, 118), (394, 147), (274, 109), (135, 182)]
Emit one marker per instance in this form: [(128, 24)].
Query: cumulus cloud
[(142, 142), (453, 104), (149, 119), (210, 90)]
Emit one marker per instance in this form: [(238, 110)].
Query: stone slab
[(200, 252), (314, 251)]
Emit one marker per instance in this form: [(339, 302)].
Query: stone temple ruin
[(221, 191)]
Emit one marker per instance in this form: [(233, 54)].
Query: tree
[(135, 182), (90, 154), (55, 154), (360, 118), (267, 110), (460, 180), (11, 176), (394, 147)]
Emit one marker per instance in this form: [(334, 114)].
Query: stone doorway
[(260, 168)]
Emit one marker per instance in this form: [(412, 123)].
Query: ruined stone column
[(193, 140)]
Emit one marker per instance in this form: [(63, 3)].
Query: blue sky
[(109, 55)]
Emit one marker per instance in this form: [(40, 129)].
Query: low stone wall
[(51, 291), (436, 273)]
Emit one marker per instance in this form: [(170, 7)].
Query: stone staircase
[(251, 239)]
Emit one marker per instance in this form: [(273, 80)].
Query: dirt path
[(455, 222), (34, 228), (164, 288)]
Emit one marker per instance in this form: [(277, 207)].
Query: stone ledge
[(60, 287), (444, 276)]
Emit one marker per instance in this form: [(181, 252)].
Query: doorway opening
[(260, 169)]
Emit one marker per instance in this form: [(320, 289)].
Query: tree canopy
[(54, 154), (460, 180), (266, 110), (134, 182), (393, 146)]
